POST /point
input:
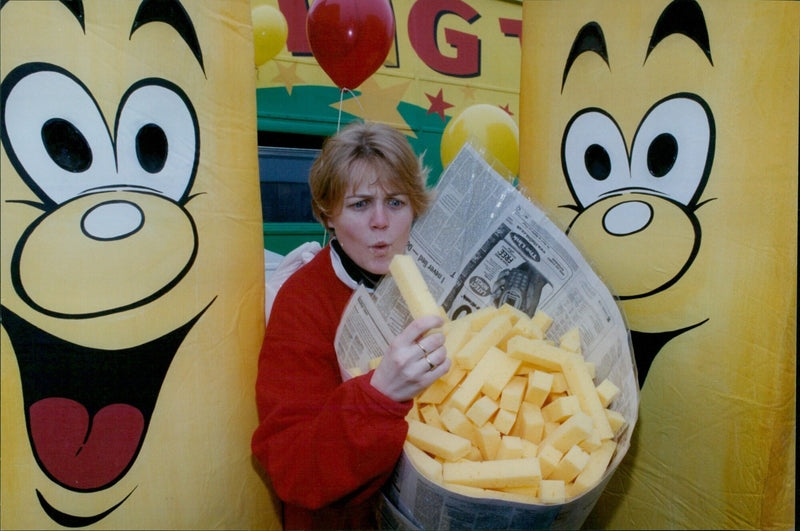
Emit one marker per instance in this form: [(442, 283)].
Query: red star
[(438, 105), (507, 109)]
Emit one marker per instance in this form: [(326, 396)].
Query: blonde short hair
[(366, 150)]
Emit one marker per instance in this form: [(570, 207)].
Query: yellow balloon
[(269, 33), (491, 131)]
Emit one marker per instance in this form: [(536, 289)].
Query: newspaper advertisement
[(483, 243)]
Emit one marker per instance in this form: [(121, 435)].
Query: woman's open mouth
[(380, 248)]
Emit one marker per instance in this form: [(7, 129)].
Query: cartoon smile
[(86, 437)]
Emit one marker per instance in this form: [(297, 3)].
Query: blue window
[(285, 197)]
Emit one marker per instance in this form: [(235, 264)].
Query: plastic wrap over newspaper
[(482, 244)]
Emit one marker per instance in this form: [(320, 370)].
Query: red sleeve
[(319, 439)]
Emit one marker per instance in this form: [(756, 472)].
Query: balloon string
[(341, 100)]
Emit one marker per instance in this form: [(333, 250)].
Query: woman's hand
[(413, 361)]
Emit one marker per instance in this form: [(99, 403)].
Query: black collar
[(357, 273)]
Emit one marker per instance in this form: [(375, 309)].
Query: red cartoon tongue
[(81, 455)]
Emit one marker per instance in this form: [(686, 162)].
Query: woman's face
[(373, 225)]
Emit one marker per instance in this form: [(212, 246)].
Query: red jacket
[(327, 445)]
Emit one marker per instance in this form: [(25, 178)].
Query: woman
[(329, 445)]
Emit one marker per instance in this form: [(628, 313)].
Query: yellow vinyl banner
[(131, 266), (663, 137)]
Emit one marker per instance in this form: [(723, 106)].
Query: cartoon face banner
[(132, 273), (662, 136)]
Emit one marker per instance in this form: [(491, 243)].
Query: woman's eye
[(358, 205), (396, 203)]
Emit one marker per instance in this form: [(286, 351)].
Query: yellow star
[(287, 75), (377, 104), (469, 93)]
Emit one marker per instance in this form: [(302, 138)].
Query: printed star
[(507, 109), (287, 75), (469, 93), (377, 104), (438, 105)]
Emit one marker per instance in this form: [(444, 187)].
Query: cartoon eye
[(152, 148), (672, 150), (157, 138), (593, 156), (66, 145), (53, 132)]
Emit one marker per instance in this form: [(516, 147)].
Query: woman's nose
[(380, 218)]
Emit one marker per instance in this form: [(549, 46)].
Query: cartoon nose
[(104, 253), (639, 243), (112, 220), (627, 218)]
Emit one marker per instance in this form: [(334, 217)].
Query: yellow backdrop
[(132, 266), (662, 135)]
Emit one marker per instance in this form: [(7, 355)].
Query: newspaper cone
[(480, 230)]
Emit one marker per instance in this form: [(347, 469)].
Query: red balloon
[(350, 38)]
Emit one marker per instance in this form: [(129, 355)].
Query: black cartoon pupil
[(66, 145), (662, 154), (597, 162), (151, 148)]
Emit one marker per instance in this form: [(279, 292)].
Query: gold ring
[(424, 350), (430, 365)]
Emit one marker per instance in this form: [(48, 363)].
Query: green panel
[(312, 110), (283, 237), (309, 110)]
